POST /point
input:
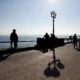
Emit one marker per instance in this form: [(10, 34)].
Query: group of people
[(14, 39), (52, 37), (49, 40), (47, 37)]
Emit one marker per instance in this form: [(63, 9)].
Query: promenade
[(33, 65)]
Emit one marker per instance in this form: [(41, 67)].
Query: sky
[(32, 17)]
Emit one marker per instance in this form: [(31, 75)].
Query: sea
[(32, 38)]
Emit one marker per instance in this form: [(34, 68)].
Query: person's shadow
[(54, 72)]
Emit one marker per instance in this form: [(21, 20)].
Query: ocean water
[(23, 38), (20, 38)]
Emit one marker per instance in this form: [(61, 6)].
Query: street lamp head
[(53, 14)]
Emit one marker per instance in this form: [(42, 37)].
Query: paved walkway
[(33, 65)]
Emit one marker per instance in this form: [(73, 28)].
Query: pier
[(33, 65)]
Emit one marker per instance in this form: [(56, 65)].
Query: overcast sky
[(31, 17)]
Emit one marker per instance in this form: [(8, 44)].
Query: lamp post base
[(54, 59), (53, 62)]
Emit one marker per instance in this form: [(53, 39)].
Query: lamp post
[(53, 15)]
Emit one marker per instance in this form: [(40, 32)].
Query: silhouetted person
[(70, 37), (52, 41), (14, 38), (46, 36), (75, 40), (79, 42), (53, 37), (46, 40)]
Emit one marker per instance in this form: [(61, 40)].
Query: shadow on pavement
[(51, 72), (6, 53), (60, 65), (78, 49)]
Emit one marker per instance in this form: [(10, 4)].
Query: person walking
[(79, 42), (75, 40), (14, 38)]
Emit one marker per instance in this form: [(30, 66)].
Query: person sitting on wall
[(46, 36), (52, 41), (46, 40), (14, 38)]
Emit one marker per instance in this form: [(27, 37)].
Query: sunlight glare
[(53, 1)]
